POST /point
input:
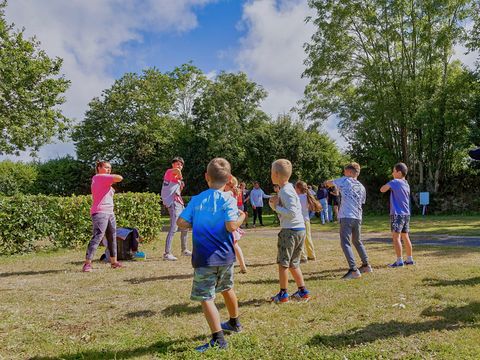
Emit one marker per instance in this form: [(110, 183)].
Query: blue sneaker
[(279, 298), (226, 326), (139, 255), (409, 262), (211, 345), (396, 264), (301, 295)]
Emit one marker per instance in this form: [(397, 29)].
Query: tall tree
[(30, 92), (386, 69)]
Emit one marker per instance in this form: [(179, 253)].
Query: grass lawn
[(50, 310)]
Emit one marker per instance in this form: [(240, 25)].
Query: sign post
[(424, 201)]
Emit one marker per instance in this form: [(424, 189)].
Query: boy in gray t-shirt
[(350, 217)]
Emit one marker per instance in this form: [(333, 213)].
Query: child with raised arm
[(291, 237), (350, 217), (232, 188), (400, 214), (309, 203), (213, 215), (101, 211)]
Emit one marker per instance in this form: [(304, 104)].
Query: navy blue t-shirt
[(212, 243)]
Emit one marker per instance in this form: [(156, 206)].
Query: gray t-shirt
[(289, 209), (353, 197)]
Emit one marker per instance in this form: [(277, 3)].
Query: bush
[(33, 221), (16, 177)]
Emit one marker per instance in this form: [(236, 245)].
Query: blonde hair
[(313, 204), (219, 171), (233, 185), (283, 167)]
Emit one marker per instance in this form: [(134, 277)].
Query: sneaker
[(396, 264), (352, 274), (364, 269), (139, 255), (87, 267), (226, 326), (301, 295), (211, 345), (187, 253), (117, 265), (279, 298), (409, 262), (169, 257)]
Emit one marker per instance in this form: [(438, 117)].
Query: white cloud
[(272, 52), (88, 35)]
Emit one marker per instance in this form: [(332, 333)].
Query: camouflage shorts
[(400, 223), (290, 245), (210, 280)]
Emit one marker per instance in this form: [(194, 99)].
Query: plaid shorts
[(290, 245), (400, 223), (209, 280)]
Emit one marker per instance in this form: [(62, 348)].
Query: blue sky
[(101, 40)]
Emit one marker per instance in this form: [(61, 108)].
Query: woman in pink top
[(103, 218)]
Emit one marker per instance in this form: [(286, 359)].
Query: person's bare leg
[(408, 244), (397, 244), (298, 276), (211, 314), (231, 303), (240, 258), (283, 276)]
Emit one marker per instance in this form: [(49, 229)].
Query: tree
[(386, 69), (30, 92)]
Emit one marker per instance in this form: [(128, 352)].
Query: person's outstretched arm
[(385, 188)]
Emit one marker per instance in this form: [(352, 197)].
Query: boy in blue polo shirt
[(213, 215), (400, 214)]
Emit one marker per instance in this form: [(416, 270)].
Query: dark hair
[(402, 168), (219, 171), (179, 159), (100, 164)]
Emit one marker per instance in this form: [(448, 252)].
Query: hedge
[(29, 222)]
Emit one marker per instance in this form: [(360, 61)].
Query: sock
[(283, 291), (399, 260), (235, 322), (410, 258), (301, 288), (218, 337)]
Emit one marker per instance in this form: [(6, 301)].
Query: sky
[(101, 40)]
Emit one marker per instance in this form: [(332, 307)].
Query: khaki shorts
[(290, 245), (209, 280)]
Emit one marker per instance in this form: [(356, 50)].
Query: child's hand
[(177, 173), (273, 201)]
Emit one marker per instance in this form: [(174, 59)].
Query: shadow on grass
[(25, 273), (451, 318), (195, 308), (160, 347), (159, 278), (261, 265), (457, 282), (140, 314)]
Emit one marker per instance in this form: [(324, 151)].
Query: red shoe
[(117, 265)]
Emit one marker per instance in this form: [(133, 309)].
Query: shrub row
[(28, 222)]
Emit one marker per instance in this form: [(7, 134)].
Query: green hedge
[(29, 222)]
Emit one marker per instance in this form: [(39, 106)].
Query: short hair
[(402, 168), (179, 159), (283, 167), (353, 166), (219, 171)]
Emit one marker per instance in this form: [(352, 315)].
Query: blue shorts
[(400, 223), (209, 280)]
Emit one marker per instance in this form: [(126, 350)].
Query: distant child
[(400, 214), (309, 204), (213, 215), (350, 216), (322, 196), (232, 188), (291, 237), (171, 196), (103, 218), (244, 192)]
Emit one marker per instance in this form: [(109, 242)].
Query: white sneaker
[(169, 257), (187, 253)]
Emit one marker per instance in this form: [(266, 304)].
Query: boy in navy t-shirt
[(213, 215), (400, 214)]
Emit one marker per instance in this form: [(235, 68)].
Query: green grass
[(50, 310)]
